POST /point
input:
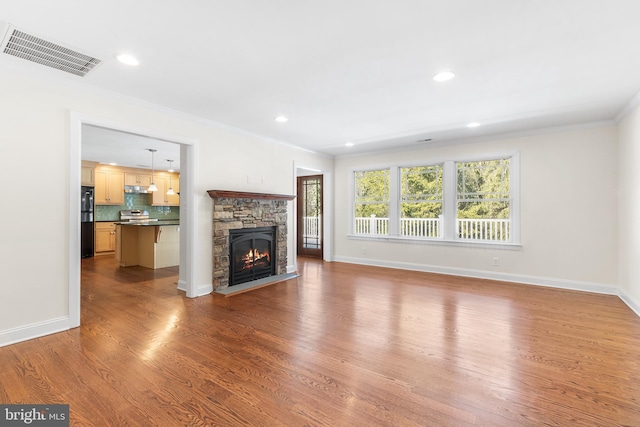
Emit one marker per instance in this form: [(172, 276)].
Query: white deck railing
[(484, 229), (311, 226), (420, 227), (372, 225), (469, 229)]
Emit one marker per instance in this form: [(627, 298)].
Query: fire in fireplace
[(254, 259), (252, 254)]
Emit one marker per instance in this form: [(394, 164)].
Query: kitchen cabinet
[(139, 178), (87, 173), (167, 247), (163, 182), (105, 241), (109, 186), (148, 245)]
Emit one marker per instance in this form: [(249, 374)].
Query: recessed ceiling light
[(281, 119), (473, 125), (127, 59), (444, 76), (349, 144)]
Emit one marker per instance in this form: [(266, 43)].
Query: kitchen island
[(151, 244)]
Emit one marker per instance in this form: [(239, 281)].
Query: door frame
[(327, 210), (188, 205)]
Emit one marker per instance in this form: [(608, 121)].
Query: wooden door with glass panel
[(310, 224)]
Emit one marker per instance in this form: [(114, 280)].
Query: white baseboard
[(291, 269), (633, 304), (35, 330), (182, 286), (492, 275), (204, 290)]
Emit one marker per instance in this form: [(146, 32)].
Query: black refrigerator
[(86, 222)]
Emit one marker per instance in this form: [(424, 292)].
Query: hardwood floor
[(342, 345)]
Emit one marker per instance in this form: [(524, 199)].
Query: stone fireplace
[(248, 219)]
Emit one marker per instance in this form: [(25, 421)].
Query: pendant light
[(152, 187), (170, 192)]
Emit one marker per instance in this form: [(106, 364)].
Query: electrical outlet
[(496, 262), (364, 250)]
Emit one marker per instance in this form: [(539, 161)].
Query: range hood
[(137, 189)]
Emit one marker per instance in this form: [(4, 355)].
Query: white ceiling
[(124, 149), (359, 70)]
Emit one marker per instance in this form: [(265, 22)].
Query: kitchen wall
[(568, 213), (35, 148), (136, 201)]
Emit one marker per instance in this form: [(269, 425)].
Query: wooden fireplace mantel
[(223, 194)]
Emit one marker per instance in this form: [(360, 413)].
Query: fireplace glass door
[(252, 254)]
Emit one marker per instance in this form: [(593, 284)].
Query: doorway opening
[(188, 217), (310, 220)]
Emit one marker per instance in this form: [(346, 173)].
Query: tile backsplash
[(136, 201)]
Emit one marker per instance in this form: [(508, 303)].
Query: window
[(372, 202), (471, 201), (483, 202), (421, 201)]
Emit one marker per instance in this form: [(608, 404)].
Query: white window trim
[(394, 200), (449, 205)]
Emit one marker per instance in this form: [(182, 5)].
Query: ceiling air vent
[(52, 55)]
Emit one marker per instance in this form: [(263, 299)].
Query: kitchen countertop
[(150, 223)]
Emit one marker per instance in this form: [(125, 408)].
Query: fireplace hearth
[(252, 254)]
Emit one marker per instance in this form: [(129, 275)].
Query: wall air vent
[(35, 49)]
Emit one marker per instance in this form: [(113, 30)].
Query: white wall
[(34, 150), (629, 215), (568, 211)]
